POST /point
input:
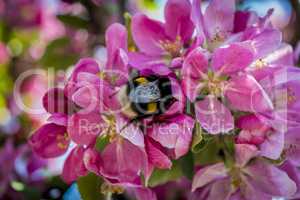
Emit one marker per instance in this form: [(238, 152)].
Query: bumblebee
[(145, 96)]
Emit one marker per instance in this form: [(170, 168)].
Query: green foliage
[(162, 176), (209, 153), (198, 142), (57, 54), (187, 165), (89, 187), (101, 143), (74, 21)]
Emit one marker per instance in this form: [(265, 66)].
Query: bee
[(145, 96)]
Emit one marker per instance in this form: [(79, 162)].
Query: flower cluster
[(222, 78)]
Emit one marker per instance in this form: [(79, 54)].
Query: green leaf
[(73, 21), (89, 187), (198, 142), (187, 165), (162, 176), (209, 154), (57, 56), (101, 143)]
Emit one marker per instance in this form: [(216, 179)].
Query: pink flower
[(257, 179), (158, 41), (268, 140), (223, 78)]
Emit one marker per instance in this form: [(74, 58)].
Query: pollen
[(172, 47), (260, 63), (112, 189), (60, 139)]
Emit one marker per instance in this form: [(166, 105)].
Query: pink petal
[(117, 72), (292, 146), (156, 155), (270, 180), (219, 18), (50, 141), (191, 88), (89, 65), (92, 160), (178, 23), (55, 101), (209, 174), (147, 34), (141, 61), (273, 145), (84, 128), (281, 56), (130, 132), (116, 39), (266, 42), (58, 118), (145, 194), (244, 153), (220, 190), (214, 116), (176, 134), (245, 94), (74, 166), (195, 64), (197, 19), (232, 58), (124, 162)]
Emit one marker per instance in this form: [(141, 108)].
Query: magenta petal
[(145, 194), (156, 156), (209, 174), (92, 160), (219, 18), (233, 58), (116, 38), (50, 141), (141, 61), (55, 101), (87, 96), (245, 94), (294, 173), (84, 128), (123, 161), (148, 34), (74, 166), (214, 116), (271, 180), (176, 134), (178, 23), (58, 118), (131, 132)]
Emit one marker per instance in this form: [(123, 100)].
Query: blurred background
[(47, 37)]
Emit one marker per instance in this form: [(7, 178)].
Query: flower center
[(214, 84), (172, 47), (110, 129)]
